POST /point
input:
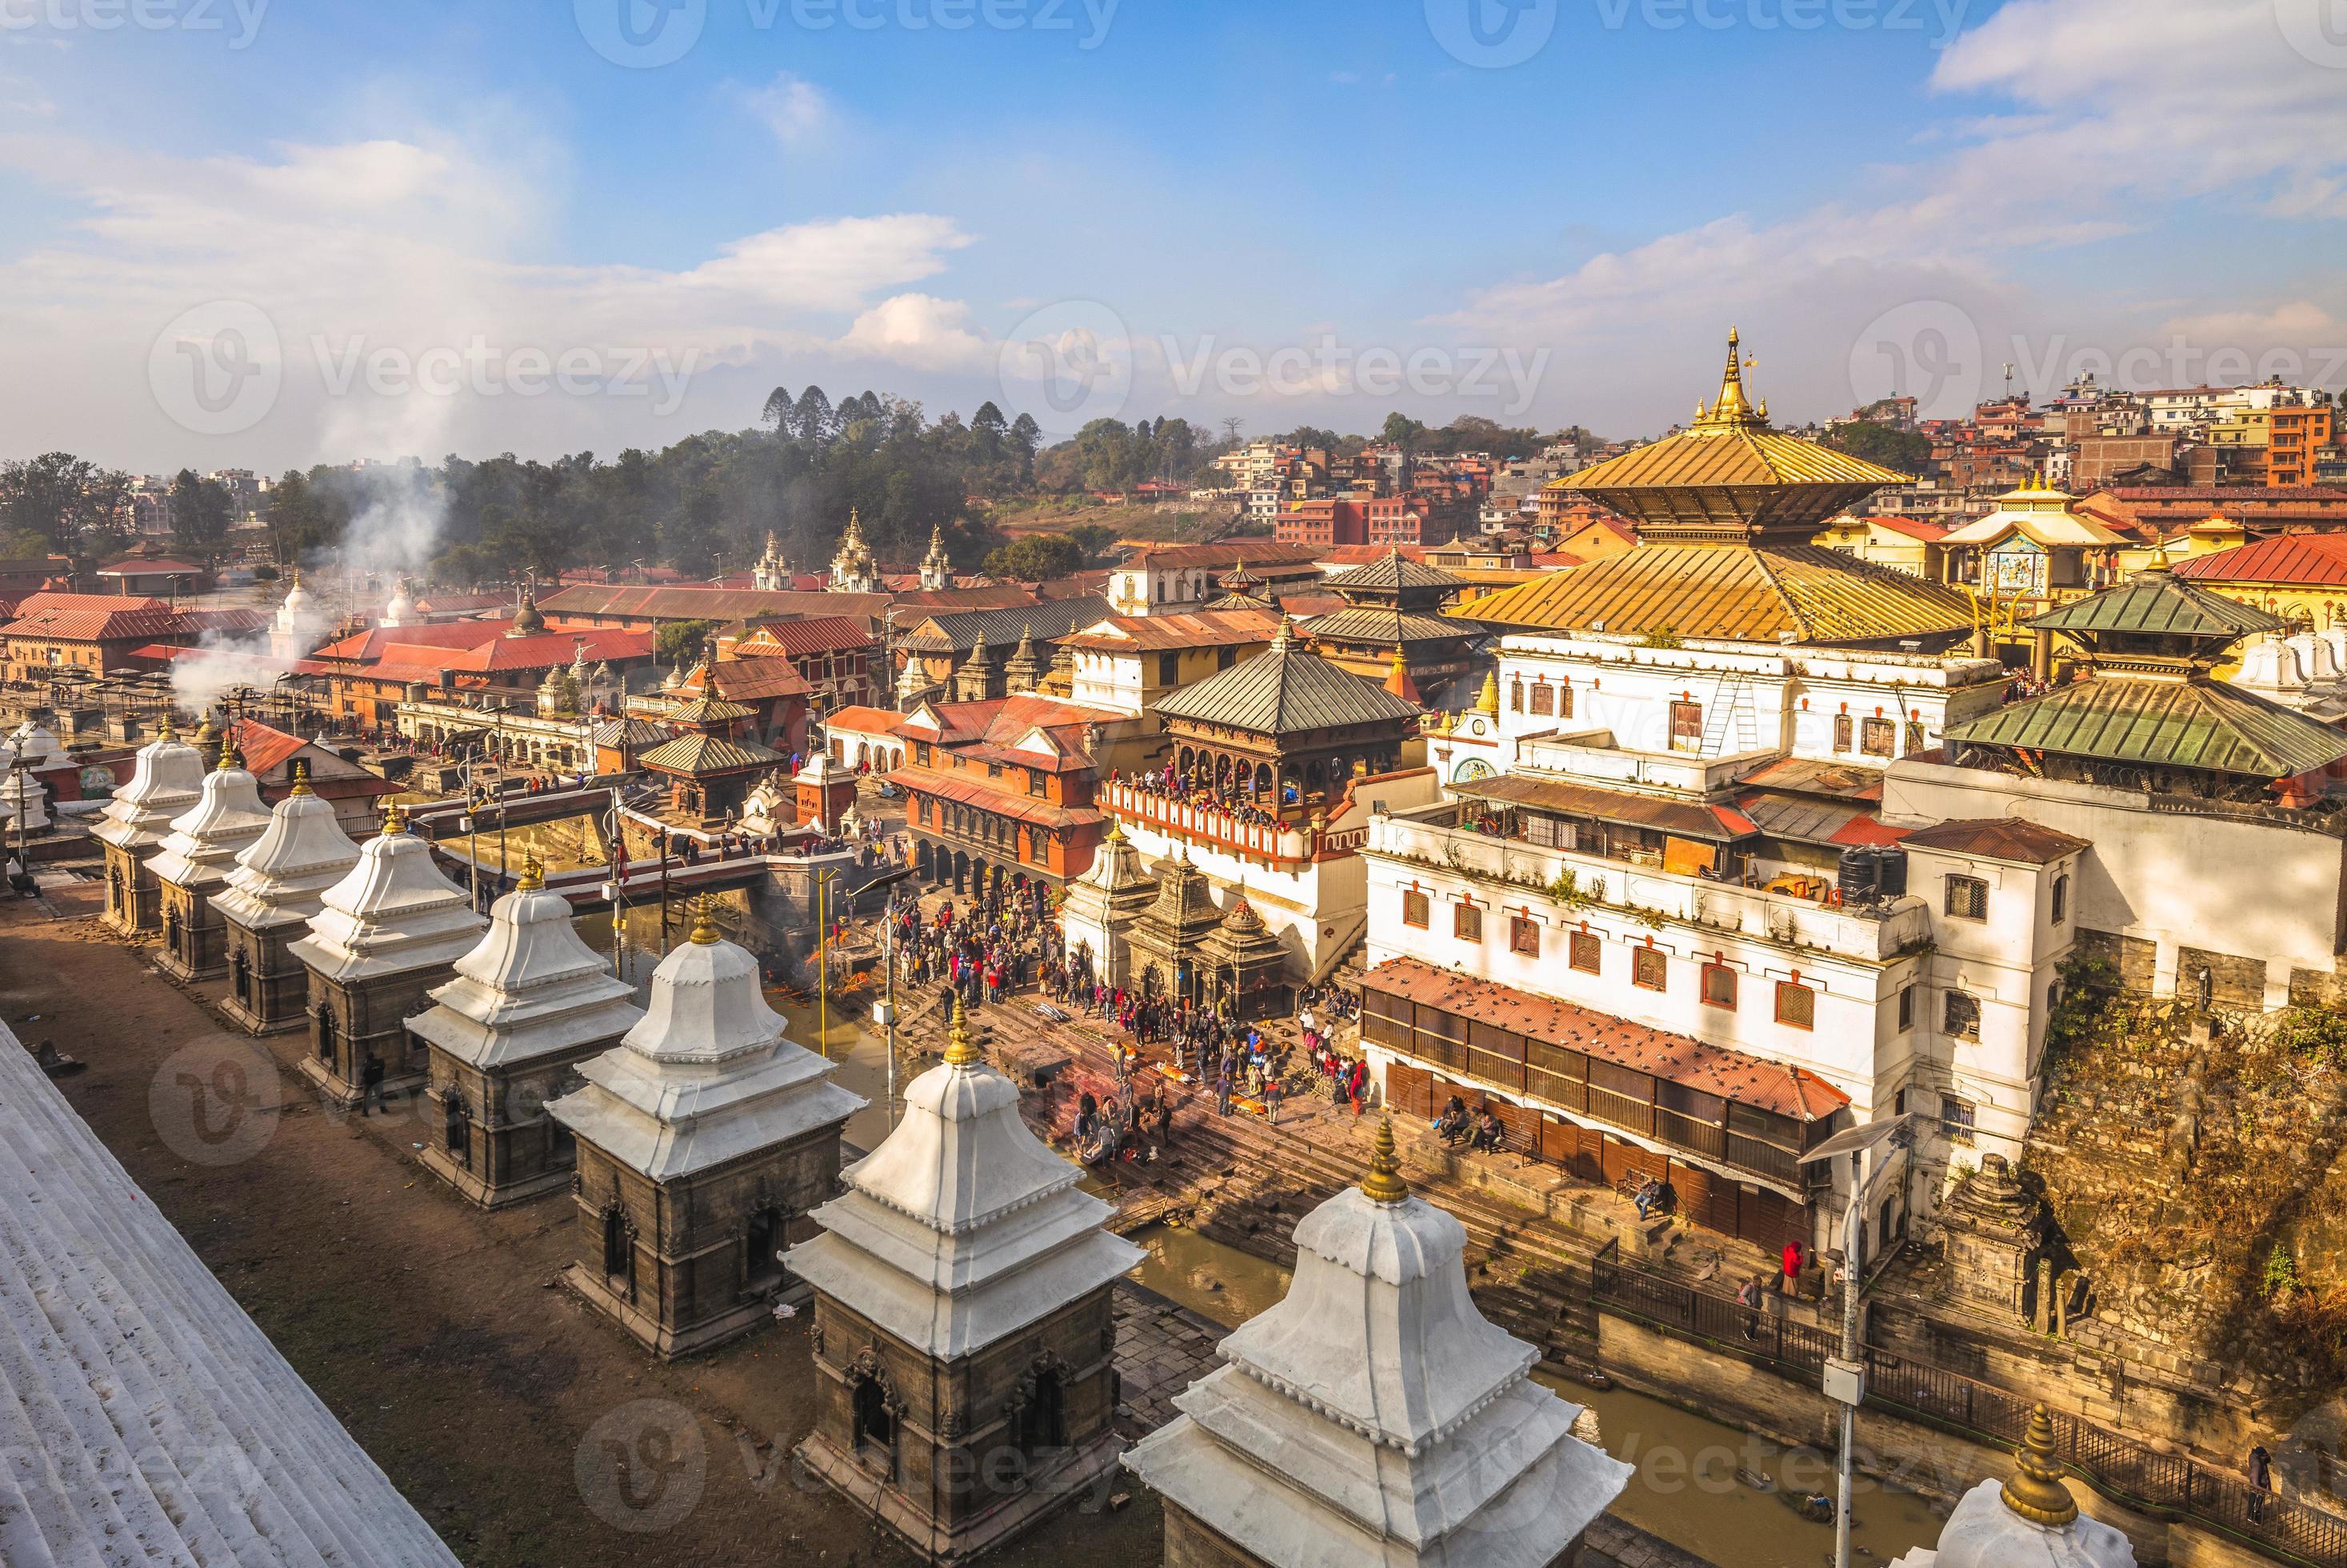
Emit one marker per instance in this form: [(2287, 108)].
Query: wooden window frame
[(1417, 909), (1585, 942), (1641, 959), (1975, 902), (1952, 1021), (1523, 936), (1543, 700), (1467, 920), (1845, 733), (1807, 1005), (1886, 730), (1712, 972)]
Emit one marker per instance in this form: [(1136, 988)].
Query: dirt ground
[(523, 1427)]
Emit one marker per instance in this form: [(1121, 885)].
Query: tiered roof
[(167, 781), (962, 1228), (206, 840), (392, 912), (1284, 690), (281, 879), (531, 988), (707, 1076), (1375, 1415)]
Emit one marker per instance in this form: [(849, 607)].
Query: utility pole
[(822, 963), (885, 1015)]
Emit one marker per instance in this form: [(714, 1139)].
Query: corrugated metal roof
[(704, 754), (1287, 691), (964, 630), (2203, 724), (2000, 838), (2303, 560), (1393, 574), (2159, 602), (1805, 593), (1687, 819), (1368, 623)]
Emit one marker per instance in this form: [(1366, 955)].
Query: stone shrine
[(705, 1137), (1101, 904), (527, 1005), (1993, 1228), (194, 863), (964, 1338), (1375, 1415), (384, 936), (168, 780), (268, 900)]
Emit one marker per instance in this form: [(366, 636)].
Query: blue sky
[(406, 216)]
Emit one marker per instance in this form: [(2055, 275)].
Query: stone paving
[(1161, 1349)]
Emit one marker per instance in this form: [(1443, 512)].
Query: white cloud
[(920, 331), (795, 110)]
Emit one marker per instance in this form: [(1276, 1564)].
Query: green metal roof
[(1286, 691), (2203, 724), (2159, 603)]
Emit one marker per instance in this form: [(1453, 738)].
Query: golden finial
[(170, 732), (2036, 1492), (1384, 1185), (959, 1052), (1489, 700), (533, 875), (704, 921), (228, 757), (302, 777), (207, 733), (394, 816)]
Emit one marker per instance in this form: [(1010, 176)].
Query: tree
[(683, 641), (300, 520), (779, 410), (200, 509), (1095, 539), (70, 504), (1400, 430), (989, 433), (812, 420), (1905, 450), (1036, 557)]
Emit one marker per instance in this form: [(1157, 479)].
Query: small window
[(1582, 952), (1415, 909), (1516, 696), (1169, 668), (1967, 898), (1797, 1006), (1686, 726), (1543, 700), (1523, 936), (1467, 921), (1649, 968), (1914, 738), (1906, 1007), (994, 770), (1564, 701), (1719, 985), (921, 753), (2061, 899), (1960, 1118), (1843, 727), (1877, 736), (1962, 1016)]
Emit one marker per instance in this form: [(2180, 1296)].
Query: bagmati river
[(1686, 1490)]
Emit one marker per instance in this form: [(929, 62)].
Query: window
[(1719, 985), (1516, 695), (1649, 968), (1877, 736), (1906, 1007), (1523, 936), (1582, 954), (2061, 899), (994, 770), (1797, 1005), (1034, 781), (1914, 737), (1543, 699), (1960, 1118), (1564, 701), (1225, 657), (1686, 726), (1966, 898), (1467, 922), (1844, 726), (1962, 1016), (921, 753), (1169, 668), (1414, 908)]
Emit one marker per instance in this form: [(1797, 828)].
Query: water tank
[(1891, 872), (1857, 875)]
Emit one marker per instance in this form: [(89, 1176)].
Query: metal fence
[(2119, 1467)]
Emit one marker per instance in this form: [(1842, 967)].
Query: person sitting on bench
[(1451, 1125), (1489, 1133)]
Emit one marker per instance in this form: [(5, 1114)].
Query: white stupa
[(530, 989), (227, 819), (24, 802), (2028, 1521), (37, 745), (392, 912), (281, 878), (169, 779), (707, 1075), (289, 635), (962, 1227), (1375, 1415), (400, 610)]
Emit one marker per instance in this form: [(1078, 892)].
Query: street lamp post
[(885, 1014)]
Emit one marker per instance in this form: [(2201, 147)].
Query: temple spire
[(1732, 406), (1384, 1185), (704, 921), (2036, 1492), (959, 1051)]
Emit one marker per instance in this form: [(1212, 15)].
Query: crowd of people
[(980, 952), (1239, 800)]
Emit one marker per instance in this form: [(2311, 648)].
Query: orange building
[(2297, 433), (1002, 792)]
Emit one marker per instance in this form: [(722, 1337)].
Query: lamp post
[(885, 1013), (1869, 1148), (822, 881)]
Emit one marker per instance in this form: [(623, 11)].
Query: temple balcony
[(1290, 841)]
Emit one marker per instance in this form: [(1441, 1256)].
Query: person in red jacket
[(1792, 1263)]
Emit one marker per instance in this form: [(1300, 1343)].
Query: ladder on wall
[(1731, 720)]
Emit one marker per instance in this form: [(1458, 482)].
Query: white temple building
[(702, 1136), (527, 1003), (168, 779), (2028, 1521), (38, 744), (965, 1337), (384, 935), (1375, 1415), (298, 621), (149, 1419), (194, 863), (278, 883)]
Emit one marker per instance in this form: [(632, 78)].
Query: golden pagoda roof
[(1730, 476), (1792, 593)]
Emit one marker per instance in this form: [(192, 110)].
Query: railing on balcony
[(1279, 841)]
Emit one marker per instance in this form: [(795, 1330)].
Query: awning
[(1687, 819)]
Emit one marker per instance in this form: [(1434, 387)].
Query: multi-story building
[(92, 634), (2296, 432)]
